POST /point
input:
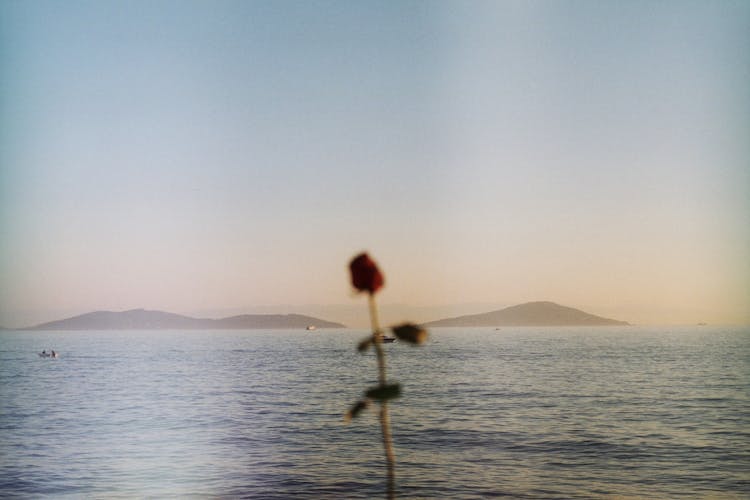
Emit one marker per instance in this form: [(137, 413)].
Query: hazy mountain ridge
[(140, 319), (529, 314)]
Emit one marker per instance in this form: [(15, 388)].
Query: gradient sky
[(210, 156)]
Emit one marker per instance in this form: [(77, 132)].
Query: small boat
[(388, 340), (311, 328), (45, 354)]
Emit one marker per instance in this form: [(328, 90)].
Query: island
[(141, 319), (529, 314)]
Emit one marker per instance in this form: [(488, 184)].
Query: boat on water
[(388, 340), (51, 354), (311, 328)]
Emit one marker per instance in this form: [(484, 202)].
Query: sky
[(222, 157)]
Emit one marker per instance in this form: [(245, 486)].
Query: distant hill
[(529, 314), (140, 319)]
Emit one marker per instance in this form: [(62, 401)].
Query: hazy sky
[(209, 156)]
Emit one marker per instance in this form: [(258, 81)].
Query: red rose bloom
[(365, 274)]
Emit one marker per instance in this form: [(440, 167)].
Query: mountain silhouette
[(529, 314), (140, 319)]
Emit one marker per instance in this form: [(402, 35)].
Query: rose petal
[(366, 276)]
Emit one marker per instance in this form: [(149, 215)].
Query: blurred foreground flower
[(367, 277)]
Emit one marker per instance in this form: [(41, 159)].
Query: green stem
[(390, 460), (385, 424), (377, 335)]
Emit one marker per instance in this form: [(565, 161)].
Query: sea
[(594, 412)]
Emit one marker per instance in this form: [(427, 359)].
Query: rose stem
[(385, 424)]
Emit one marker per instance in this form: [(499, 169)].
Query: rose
[(365, 274)]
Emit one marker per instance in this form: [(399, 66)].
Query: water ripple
[(522, 413)]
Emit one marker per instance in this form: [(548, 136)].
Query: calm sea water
[(518, 412)]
